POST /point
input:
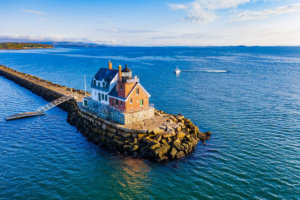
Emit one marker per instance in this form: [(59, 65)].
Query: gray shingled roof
[(106, 74)]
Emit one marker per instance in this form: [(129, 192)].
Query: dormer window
[(94, 82), (98, 84)]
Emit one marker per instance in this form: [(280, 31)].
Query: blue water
[(249, 97)]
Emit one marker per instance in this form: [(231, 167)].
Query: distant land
[(14, 45)]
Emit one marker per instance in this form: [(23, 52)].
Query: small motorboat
[(177, 70)]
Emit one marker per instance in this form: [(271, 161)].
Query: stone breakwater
[(159, 144)]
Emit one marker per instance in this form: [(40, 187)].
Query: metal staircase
[(54, 103)]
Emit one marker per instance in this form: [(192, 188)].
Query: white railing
[(54, 103), (97, 104)]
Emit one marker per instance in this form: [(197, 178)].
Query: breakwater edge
[(160, 144)]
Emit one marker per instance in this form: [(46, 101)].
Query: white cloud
[(204, 11), (35, 12), (177, 6), (254, 15)]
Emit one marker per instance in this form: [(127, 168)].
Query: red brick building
[(128, 95)]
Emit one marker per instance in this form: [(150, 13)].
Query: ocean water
[(249, 97)]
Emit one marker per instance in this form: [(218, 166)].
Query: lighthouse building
[(118, 96)]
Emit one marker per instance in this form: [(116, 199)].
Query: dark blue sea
[(249, 97)]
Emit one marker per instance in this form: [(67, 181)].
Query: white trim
[(116, 98), (134, 88)]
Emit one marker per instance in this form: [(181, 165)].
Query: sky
[(153, 22)]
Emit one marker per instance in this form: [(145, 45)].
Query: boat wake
[(207, 70)]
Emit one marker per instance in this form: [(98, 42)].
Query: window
[(121, 87), (99, 84), (99, 97), (131, 100), (94, 82), (117, 102), (141, 102), (105, 97), (85, 102), (137, 91), (121, 103)]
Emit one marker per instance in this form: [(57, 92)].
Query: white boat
[(177, 70)]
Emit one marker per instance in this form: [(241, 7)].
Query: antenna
[(84, 85)]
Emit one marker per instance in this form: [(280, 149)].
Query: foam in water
[(207, 70)]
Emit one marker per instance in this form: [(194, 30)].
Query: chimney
[(120, 73), (109, 65)]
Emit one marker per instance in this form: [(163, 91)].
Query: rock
[(208, 133), (185, 145), (127, 147), (173, 152), (178, 128), (164, 141), (102, 139), (127, 141), (180, 135), (201, 135), (158, 131), (134, 135), (118, 142), (180, 154), (161, 151), (180, 117), (169, 139), (134, 148), (155, 146), (193, 141), (157, 138), (169, 134), (141, 135), (144, 151), (178, 145), (163, 127), (162, 158), (95, 130), (110, 134), (126, 135)]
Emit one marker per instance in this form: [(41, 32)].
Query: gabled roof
[(114, 92), (134, 88), (106, 74)]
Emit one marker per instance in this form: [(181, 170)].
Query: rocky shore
[(173, 138)]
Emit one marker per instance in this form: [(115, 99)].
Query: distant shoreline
[(22, 46)]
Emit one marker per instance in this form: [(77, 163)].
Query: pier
[(163, 137), (24, 115), (41, 110)]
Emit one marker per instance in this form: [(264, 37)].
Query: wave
[(208, 70)]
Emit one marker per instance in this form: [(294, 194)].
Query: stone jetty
[(164, 137)]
